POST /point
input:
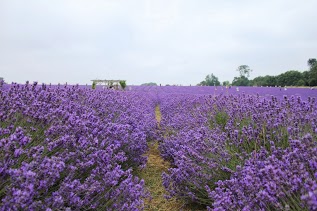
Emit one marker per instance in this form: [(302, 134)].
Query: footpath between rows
[(153, 180)]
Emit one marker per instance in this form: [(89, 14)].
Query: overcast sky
[(162, 41)]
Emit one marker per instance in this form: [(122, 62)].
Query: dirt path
[(153, 180)]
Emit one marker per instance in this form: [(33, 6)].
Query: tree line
[(288, 78)]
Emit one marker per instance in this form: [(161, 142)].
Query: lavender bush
[(275, 180), (71, 148), (209, 138), (77, 148)]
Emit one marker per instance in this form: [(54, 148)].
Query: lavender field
[(76, 148)]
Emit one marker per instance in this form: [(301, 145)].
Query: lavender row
[(263, 92), (71, 148), (227, 151)]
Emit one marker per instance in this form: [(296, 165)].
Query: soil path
[(153, 180)]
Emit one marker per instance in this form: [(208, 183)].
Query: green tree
[(300, 82), (225, 83), (289, 78), (244, 70), (244, 74), (123, 84), (93, 86), (240, 81), (269, 80), (257, 81), (312, 63), (1, 81), (149, 84), (210, 80), (263, 81), (306, 77)]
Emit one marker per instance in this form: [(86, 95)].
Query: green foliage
[(244, 71), (210, 80), (149, 84), (225, 83), (241, 81), (1, 81), (264, 81), (123, 84), (306, 78), (218, 119), (312, 63), (93, 86), (289, 78), (300, 82), (222, 119)]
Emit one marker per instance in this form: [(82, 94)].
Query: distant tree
[(225, 83), (263, 81), (240, 81), (244, 70), (210, 80), (300, 82), (257, 81), (289, 78), (306, 77), (149, 84), (1, 81), (244, 74), (269, 80), (313, 80), (312, 63), (93, 86), (123, 84)]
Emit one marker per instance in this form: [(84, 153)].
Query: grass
[(153, 180), (158, 115)]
